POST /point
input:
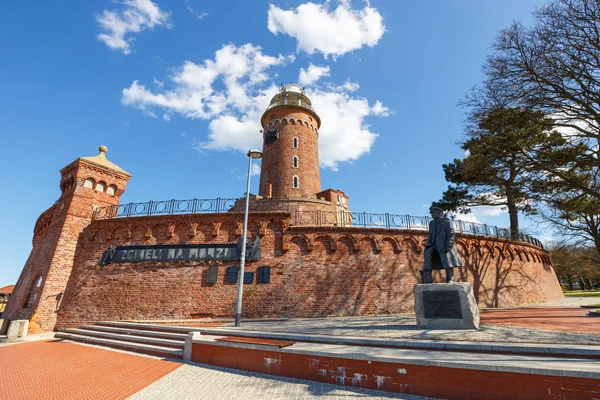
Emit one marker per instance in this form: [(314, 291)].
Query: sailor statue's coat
[(441, 238)]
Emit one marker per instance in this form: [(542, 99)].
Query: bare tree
[(576, 264), (552, 67)]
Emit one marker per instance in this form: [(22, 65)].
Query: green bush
[(563, 288)]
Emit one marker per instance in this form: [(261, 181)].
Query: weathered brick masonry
[(316, 271)]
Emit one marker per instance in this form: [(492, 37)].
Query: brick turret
[(86, 183), (290, 165)]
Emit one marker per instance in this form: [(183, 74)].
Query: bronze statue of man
[(440, 250)]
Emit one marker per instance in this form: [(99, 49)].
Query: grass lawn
[(581, 293)]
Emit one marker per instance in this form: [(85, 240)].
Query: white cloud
[(480, 214), (197, 14), (380, 110), (348, 86), (134, 17), (312, 74), (228, 132), (239, 70), (232, 91), (335, 32), (255, 169), (344, 135)]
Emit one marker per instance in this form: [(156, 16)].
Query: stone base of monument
[(446, 306)]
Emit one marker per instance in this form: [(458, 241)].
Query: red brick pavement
[(567, 319), (59, 370)]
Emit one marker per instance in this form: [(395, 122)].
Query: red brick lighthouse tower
[(290, 165), (290, 178)]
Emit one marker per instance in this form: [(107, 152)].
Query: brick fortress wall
[(316, 271)]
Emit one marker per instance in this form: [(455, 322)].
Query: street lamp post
[(238, 309)]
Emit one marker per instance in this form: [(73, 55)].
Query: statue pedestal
[(446, 306)]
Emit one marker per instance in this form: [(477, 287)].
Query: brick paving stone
[(199, 381), (60, 370), (564, 319)]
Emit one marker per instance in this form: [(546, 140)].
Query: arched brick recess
[(138, 234), (160, 232)]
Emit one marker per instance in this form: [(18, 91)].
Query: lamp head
[(255, 154)]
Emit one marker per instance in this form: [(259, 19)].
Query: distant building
[(4, 295)]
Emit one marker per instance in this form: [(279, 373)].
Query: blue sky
[(175, 89)]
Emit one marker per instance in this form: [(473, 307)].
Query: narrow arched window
[(295, 162), (295, 182), (111, 189), (295, 143), (100, 186), (89, 183)]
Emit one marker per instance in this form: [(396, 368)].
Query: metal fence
[(397, 221), (191, 206), (303, 218)]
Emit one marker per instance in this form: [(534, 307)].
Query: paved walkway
[(58, 370), (570, 301), (565, 319), (63, 370), (198, 381), (558, 325)]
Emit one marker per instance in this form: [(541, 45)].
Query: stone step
[(136, 332), (534, 349), (124, 345), (178, 344), (539, 349), (148, 327)]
